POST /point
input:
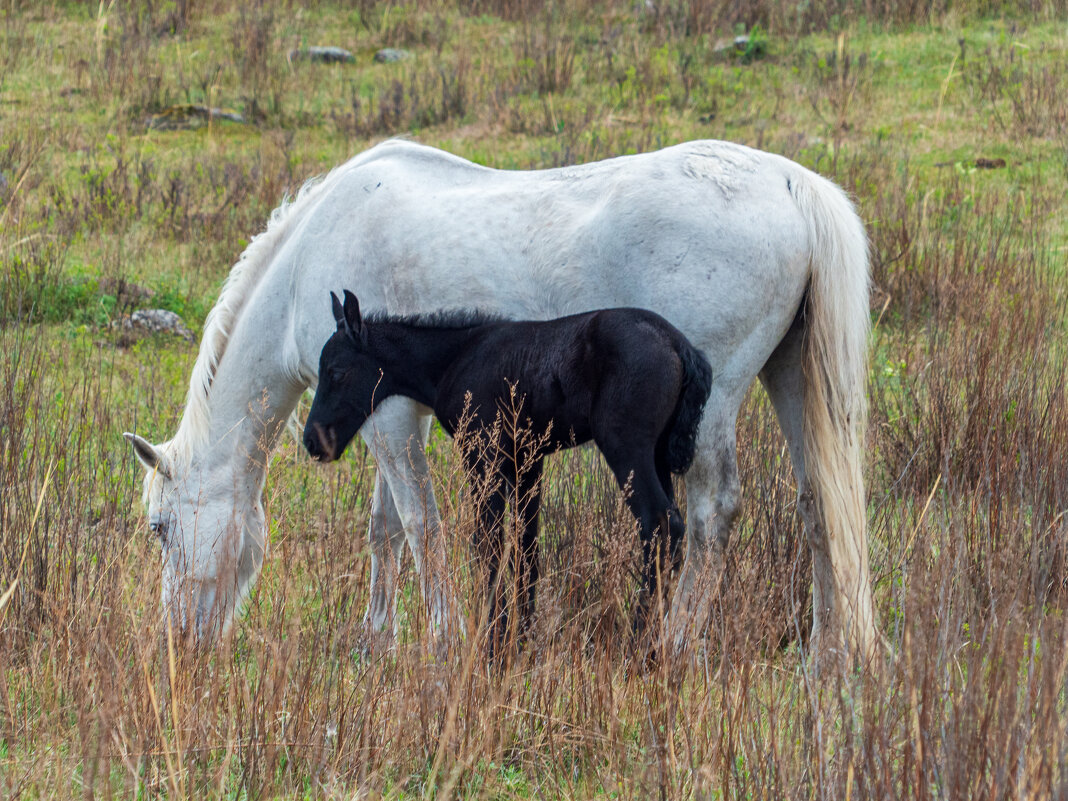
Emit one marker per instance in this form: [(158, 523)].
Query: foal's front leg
[(488, 542), (490, 545), (527, 511)]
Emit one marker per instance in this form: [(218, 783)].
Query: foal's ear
[(342, 317), (352, 316), (148, 455), (339, 312)]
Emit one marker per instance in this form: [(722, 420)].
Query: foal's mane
[(239, 286), (448, 319)]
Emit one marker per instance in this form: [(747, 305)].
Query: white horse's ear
[(147, 454)]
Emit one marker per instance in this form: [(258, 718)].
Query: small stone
[(738, 43), (387, 55), (324, 55), (157, 321)]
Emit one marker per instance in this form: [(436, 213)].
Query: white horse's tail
[(835, 365)]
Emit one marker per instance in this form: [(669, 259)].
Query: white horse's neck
[(252, 394), (248, 374)]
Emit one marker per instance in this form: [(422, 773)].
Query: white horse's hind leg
[(783, 379), (396, 435), (713, 496), (784, 382)]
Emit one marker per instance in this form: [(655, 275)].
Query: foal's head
[(349, 375)]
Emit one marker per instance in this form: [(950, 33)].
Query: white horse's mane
[(244, 277)]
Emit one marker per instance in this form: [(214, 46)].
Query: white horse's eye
[(159, 528)]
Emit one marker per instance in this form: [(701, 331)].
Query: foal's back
[(611, 367)]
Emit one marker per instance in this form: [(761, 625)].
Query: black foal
[(625, 378)]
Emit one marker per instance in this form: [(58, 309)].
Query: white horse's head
[(212, 534)]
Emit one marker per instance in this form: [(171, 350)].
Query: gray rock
[(387, 55), (325, 55), (157, 321), (738, 43)]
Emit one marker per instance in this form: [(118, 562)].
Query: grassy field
[(949, 127)]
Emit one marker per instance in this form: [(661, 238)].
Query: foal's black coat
[(625, 378)]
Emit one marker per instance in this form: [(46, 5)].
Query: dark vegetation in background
[(967, 445)]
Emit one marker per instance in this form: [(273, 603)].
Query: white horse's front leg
[(396, 434), (386, 536)]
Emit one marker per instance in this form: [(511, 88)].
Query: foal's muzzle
[(321, 442)]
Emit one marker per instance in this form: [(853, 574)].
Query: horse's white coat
[(720, 239)]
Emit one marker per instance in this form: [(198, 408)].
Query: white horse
[(760, 262)]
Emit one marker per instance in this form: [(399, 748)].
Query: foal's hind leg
[(491, 544), (676, 524), (650, 504)]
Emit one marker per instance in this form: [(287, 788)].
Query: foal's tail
[(696, 385), (835, 369)]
